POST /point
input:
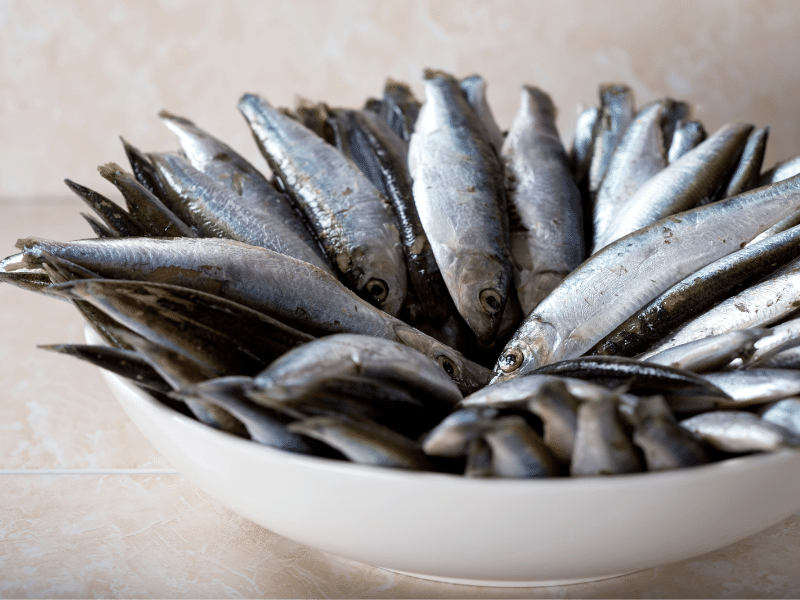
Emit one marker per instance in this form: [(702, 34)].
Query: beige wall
[(75, 75)]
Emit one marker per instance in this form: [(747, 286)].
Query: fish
[(780, 171), (748, 387), (125, 363), (399, 108), (664, 443), (458, 191), (637, 376), (775, 297), (746, 175), (777, 339), (616, 113), (687, 135), (738, 432), (601, 445), (226, 166), (358, 355), (364, 443), (352, 220), (547, 229), (785, 413), (608, 287), (692, 180), (580, 154), (713, 352), (383, 156), (118, 221), (144, 206), (292, 291), (474, 88), (216, 211), (639, 155), (453, 435), (698, 292), (517, 451)]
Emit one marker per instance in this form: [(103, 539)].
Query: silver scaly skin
[(687, 135), (474, 88), (639, 155), (285, 288), (617, 281), (692, 180), (759, 305), (216, 211), (546, 233), (226, 166), (352, 219), (458, 190)]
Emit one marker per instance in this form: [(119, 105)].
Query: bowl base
[(513, 583)]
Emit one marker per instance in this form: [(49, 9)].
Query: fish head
[(382, 278), (467, 375), (536, 343), (481, 293)]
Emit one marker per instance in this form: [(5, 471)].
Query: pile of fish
[(415, 288)]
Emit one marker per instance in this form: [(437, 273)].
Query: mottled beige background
[(75, 75)]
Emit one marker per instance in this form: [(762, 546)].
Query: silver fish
[(756, 386), (780, 171), (290, 290), (738, 431), (216, 211), (352, 220), (601, 445), (785, 413), (699, 292), (746, 175), (712, 352), (458, 190), (665, 444), (223, 164), (762, 304), (365, 443), (350, 354), (144, 206), (616, 113), (608, 287), (778, 338), (517, 450), (474, 88), (580, 153), (639, 155), (454, 434), (546, 231), (687, 135), (688, 182)]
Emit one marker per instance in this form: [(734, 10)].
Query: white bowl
[(475, 531)]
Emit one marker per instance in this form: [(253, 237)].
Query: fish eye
[(511, 360), (491, 301), (377, 289), (447, 365)]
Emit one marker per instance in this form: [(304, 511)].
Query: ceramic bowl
[(475, 531)]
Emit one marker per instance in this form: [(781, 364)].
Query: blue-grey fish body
[(351, 218), (474, 88), (687, 135), (638, 157), (547, 227), (617, 281), (688, 182), (217, 211), (458, 190), (226, 166)]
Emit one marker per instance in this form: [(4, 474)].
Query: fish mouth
[(482, 292)]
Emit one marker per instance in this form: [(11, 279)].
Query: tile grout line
[(89, 472)]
